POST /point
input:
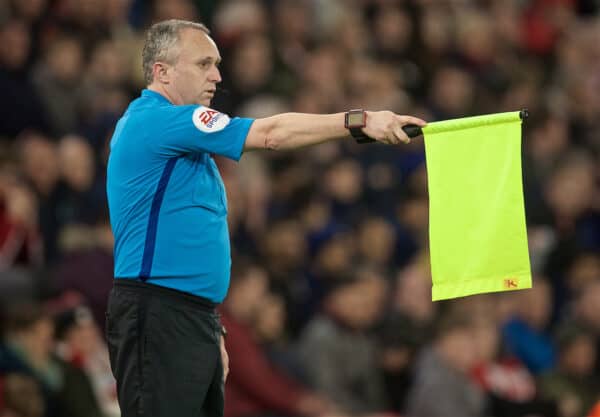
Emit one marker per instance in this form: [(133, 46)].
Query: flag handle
[(412, 131)]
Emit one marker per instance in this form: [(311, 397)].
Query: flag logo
[(511, 283), (208, 120)]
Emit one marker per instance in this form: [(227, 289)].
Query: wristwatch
[(355, 120)]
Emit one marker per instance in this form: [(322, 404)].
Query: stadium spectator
[(27, 348), (573, 382), (80, 343), (256, 387), (336, 349), (525, 334), (442, 373)]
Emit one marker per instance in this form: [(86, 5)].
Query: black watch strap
[(359, 135)]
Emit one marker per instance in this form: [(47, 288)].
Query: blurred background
[(329, 311)]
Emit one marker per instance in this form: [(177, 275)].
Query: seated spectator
[(442, 386), (284, 252), (84, 197), (573, 381), (38, 156), (338, 354), (256, 387), (21, 108), (57, 81), (28, 349), (80, 343), (524, 334), (400, 339), (376, 242), (584, 312), (585, 309), (510, 388), (412, 294), (20, 240), (270, 331), (583, 270), (86, 265)]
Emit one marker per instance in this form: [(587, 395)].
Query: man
[(168, 214), (442, 383), (337, 353)]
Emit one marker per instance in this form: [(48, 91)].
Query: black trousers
[(164, 351)]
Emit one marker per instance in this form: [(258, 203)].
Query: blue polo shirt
[(167, 202)]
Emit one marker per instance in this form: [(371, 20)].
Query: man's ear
[(161, 72)]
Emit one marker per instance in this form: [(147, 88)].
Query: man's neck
[(162, 91)]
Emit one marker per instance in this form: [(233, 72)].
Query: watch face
[(356, 119)]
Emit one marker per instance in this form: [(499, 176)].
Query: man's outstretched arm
[(295, 130)]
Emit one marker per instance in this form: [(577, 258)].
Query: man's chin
[(204, 102)]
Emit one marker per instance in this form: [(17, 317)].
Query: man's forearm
[(295, 130)]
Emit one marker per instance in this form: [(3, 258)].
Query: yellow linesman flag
[(478, 237)]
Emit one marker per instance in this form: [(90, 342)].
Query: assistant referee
[(168, 212)]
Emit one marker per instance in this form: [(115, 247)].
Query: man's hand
[(224, 359), (386, 127)]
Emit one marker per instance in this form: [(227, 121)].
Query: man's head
[(181, 61), (357, 299), (454, 338)]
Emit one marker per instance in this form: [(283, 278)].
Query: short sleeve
[(192, 128)]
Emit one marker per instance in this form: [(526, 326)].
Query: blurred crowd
[(329, 311)]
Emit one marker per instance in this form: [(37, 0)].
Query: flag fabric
[(477, 232)]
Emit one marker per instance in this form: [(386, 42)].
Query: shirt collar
[(153, 94)]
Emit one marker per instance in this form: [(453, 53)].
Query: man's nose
[(215, 75)]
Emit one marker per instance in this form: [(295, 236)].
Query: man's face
[(195, 73)]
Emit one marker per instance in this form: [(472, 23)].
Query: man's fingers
[(385, 138), (400, 134), (410, 120), (386, 127), (224, 359)]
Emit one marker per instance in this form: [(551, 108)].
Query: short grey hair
[(161, 39)]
